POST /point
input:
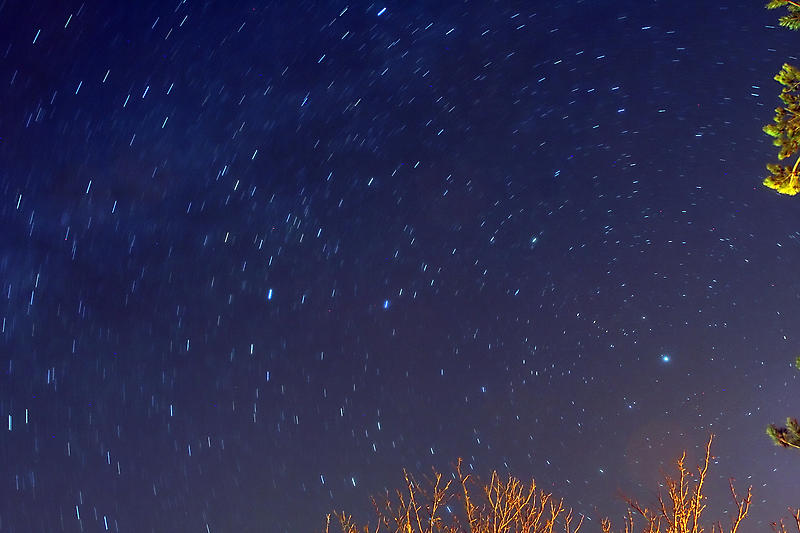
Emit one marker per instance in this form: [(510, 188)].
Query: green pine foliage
[(789, 436), (785, 127), (792, 20)]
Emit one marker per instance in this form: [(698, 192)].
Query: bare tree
[(681, 509), (507, 505)]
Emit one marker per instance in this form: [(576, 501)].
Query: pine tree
[(789, 436), (785, 129), (792, 20)]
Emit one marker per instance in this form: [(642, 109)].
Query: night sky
[(257, 257)]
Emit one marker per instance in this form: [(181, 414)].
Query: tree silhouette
[(785, 129)]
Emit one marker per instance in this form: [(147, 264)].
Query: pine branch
[(786, 437), (785, 129)]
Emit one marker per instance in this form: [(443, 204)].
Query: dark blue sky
[(257, 257)]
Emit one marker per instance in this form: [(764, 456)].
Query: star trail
[(258, 257)]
